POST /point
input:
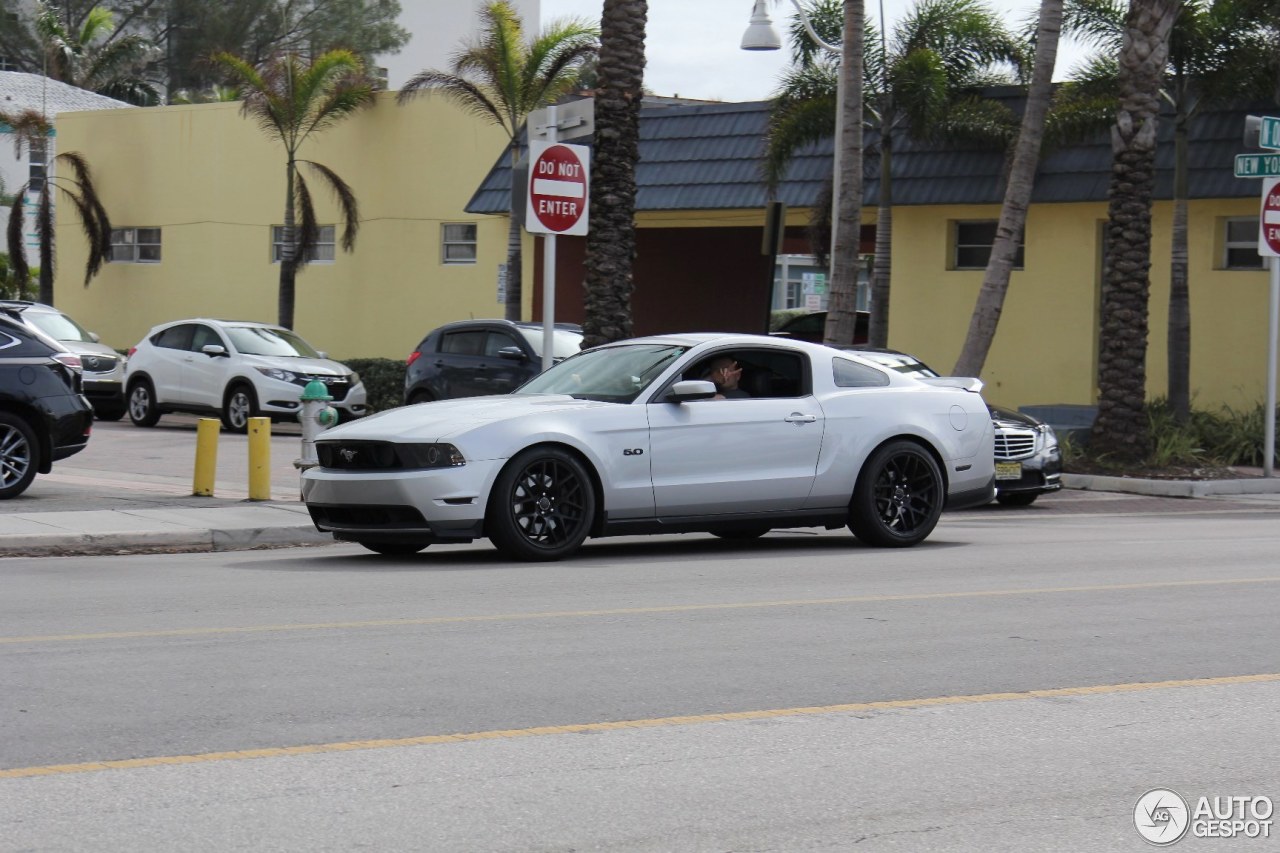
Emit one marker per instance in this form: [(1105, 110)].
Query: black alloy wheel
[(394, 549), (898, 498), (1017, 498), (542, 506), (142, 404), (19, 455)]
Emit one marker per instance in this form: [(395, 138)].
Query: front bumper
[(1036, 474)]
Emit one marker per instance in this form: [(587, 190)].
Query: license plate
[(1008, 470)]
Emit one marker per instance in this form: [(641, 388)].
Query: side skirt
[(828, 518)]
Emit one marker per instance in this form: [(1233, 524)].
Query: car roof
[(242, 323), (692, 339)]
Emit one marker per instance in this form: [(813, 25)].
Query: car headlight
[(431, 456), (1050, 437), (277, 373), (354, 378)]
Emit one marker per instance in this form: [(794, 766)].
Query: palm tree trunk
[(288, 259), (1121, 428), (1017, 197), (44, 227), (878, 322), (611, 242), (1179, 336), (514, 302), (842, 305)]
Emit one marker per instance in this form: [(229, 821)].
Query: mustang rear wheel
[(394, 549), (898, 498), (542, 506), (19, 455)]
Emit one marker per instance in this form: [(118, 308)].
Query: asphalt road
[(682, 693)]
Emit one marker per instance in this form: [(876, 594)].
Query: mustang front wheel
[(542, 506), (898, 498)]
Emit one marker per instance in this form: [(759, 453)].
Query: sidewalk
[(130, 491)]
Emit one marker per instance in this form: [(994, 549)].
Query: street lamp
[(761, 35)]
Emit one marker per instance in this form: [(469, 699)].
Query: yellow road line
[(631, 611), (509, 734)]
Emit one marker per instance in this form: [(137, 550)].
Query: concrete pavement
[(130, 490)]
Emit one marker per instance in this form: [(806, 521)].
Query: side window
[(204, 336), (464, 343), (497, 341), (850, 374), (766, 373), (175, 337)]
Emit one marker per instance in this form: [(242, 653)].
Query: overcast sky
[(692, 45)]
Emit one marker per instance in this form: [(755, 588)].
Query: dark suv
[(811, 327), (471, 358), (44, 416)]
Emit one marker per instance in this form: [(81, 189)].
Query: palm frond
[(346, 202), (27, 127), (307, 232), (45, 232), (827, 18), (1098, 22), (793, 125), (461, 91), (980, 121), (13, 233), (97, 224)]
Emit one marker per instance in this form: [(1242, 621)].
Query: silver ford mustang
[(633, 437)]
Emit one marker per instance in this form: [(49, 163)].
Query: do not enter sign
[(559, 178), (1269, 219)]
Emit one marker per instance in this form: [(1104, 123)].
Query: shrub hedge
[(383, 381)]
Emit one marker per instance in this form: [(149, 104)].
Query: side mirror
[(691, 389), (93, 336), (213, 350), (512, 354), (322, 354)]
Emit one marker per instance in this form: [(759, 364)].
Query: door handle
[(798, 418)]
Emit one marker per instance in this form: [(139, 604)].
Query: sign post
[(1269, 246), (558, 194)]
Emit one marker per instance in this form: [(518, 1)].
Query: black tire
[(542, 506), (108, 412), (741, 534), (1017, 498), (394, 549), (898, 498), (419, 397), (19, 455), (238, 406), (141, 401)]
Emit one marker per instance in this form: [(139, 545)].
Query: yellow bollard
[(259, 459), (206, 457)]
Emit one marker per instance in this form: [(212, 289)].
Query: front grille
[(367, 517), (1015, 443), (358, 455), (337, 386), (99, 363)]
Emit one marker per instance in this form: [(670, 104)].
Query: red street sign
[(558, 186), (1269, 220)]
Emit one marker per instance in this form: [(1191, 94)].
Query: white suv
[(238, 370)]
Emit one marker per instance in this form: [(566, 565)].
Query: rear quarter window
[(851, 374)]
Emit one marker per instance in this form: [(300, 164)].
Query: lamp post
[(761, 35)]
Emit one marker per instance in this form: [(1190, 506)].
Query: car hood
[(444, 419), (1009, 417), (317, 366), (90, 348)]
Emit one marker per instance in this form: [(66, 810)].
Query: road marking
[(511, 734), (631, 611)]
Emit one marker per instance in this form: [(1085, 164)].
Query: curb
[(1172, 488), (239, 539)]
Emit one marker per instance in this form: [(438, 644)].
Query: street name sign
[(1269, 133), (1258, 165), (1269, 220), (559, 182)]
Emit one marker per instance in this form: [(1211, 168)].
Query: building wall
[(436, 30), (215, 185)]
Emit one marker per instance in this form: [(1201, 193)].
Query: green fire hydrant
[(316, 416)]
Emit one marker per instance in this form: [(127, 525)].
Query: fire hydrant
[(315, 417)]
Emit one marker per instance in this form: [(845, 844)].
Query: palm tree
[(502, 77), (88, 58), (31, 128), (291, 99), (1219, 50), (611, 240), (1121, 427), (1013, 213)]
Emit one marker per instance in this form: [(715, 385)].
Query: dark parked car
[(471, 358), (810, 327), (103, 367), (1028, 461), (44, 416)]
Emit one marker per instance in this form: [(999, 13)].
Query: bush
[(1222, 437), (383, 381)]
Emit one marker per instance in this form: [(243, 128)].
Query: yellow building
[(195, 192)]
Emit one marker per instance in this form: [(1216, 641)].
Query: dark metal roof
[(708, 157)]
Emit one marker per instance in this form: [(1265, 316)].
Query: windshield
[(60, 327), (256, 340), (564, 343), (613, 374)]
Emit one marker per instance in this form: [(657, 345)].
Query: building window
[(1240, 244), (973, 242), (135, 245), (458, 242), (322, 251), (37, 157), (798, 282)]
